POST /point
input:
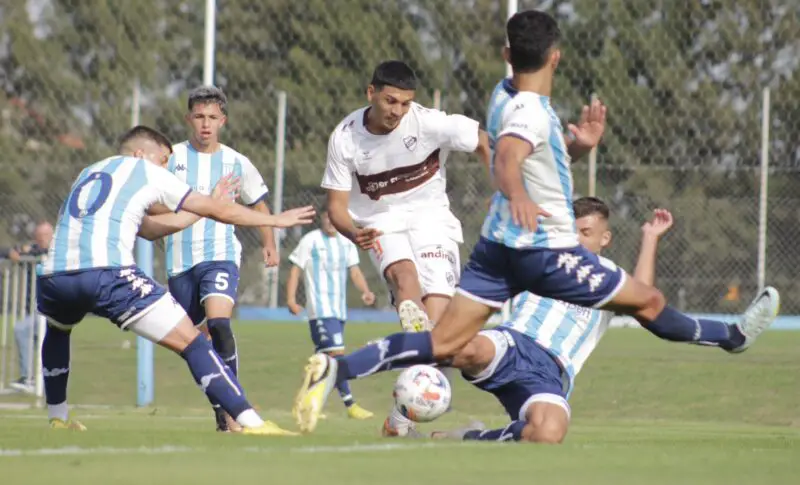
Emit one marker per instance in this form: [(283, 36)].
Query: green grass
[(644, 412)]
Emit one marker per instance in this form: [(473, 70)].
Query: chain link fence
[(682, 81)]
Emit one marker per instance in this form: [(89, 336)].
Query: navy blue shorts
[(327, 334), (119, 294), (496, 273), (522, 373), (193, 286)]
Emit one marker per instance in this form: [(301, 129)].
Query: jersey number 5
[(221, 281), (98, 194)]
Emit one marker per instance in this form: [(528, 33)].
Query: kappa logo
[(180, 167), (410, 142)]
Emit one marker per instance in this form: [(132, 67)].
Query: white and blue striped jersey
[(99, 220), (568, 332), (546, 171), (206, 239), (325, 261)]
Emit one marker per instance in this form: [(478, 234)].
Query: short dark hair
[(397, 74), (208, 95), (531, 35), (587, 206), (142, 131)]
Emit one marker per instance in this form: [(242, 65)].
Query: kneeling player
[(90, 269)]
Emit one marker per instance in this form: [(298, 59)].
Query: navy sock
[(675, 326), (399, 349), (55, 365), (224, 342), (344, 391), (215, 378), (512, 432)]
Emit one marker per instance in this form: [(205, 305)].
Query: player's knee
[(402, 274), (475, 356), (653, 302), (548, 431)]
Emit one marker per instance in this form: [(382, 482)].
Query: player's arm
[(458, 133), (589, 130), (267, 236), (484, 150), (291, 290), (367, 296), (651, 233)]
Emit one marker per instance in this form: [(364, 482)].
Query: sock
[(344, 391), (224, 342), (399, 349), (398, 421), (214, 378), (55, 369), (249, 418), (512, 432), (675, 326), (58, 411)]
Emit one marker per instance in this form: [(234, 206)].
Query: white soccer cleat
[(412, 317), (758, 317), (458, 433)]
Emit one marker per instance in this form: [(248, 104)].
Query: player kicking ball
[(324, 258), (528, 240), (385, 178), (90, 268)]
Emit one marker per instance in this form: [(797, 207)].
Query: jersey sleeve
[(528, 122), (455, 132), (301, 253), (352, 254), (338, 172), (172, 191), (254, 189)]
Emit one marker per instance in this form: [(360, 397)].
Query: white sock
[(398, 421), (249, 419), (58, 411)]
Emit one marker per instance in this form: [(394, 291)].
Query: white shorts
[(436, 258), (158, 320)]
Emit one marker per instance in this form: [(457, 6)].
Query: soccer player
[(385, 178), (528, 240), (530, 361), (324, 257), (90, 268), (203, 260)]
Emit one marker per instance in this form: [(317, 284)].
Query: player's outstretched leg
[(55, 367)]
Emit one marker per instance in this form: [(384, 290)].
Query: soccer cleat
[(758, 317), (458, 433), (319, 380), (269, 429), (412, 317), (391, 429), (357, 412), (56, 423)]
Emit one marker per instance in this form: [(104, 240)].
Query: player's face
[(326, 225), (206, 119), (390, 105), (593, 232)]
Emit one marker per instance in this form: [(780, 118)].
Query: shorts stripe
[(484, 301)]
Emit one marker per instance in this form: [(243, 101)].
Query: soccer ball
[(422, 393)]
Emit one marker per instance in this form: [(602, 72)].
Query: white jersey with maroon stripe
[(397, 181)]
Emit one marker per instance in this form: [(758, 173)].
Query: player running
[(324, 258), (90, 269), (530, 361), (529, 241), (385, 178), (203, 260)]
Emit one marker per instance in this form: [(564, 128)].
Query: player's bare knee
[(653, 303), (475, 356), (547, 431)]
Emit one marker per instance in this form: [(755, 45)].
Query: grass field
[(644, 412)]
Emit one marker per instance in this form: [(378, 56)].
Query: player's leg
[(23, 334), (484, 286), (394, 257)]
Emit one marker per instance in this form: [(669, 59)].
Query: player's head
[(591, 219), (390, 93), (208, 112), (43, 234), (533, 38), (147, 143), (326, 225)]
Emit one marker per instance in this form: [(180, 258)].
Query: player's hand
[(366, 238), (270, 256), (294, 308), (591, 126), (661, 223), (299, 216), (227, 188), (526, 212), (368, 298)]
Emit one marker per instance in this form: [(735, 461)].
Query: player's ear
[(555, 57), (370, 92), (138, 153), (605, 241), (222, 121)]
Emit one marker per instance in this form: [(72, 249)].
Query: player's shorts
[(327, 334), (496, 273), (521, 374), (126, 296), (435, 256), (211, 278)]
